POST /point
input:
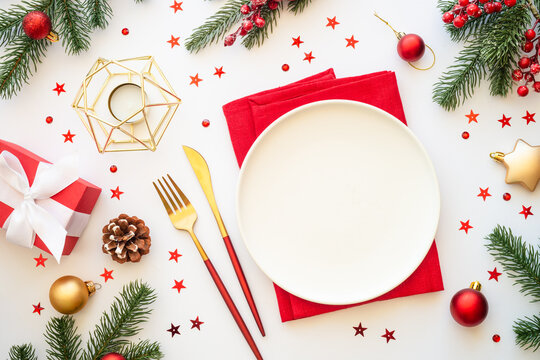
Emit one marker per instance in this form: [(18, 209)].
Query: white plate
[(338, 202)]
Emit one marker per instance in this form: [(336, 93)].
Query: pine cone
[(126, 238)]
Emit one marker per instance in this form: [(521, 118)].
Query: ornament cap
[(475, 285), (91, 286), (497, 156)]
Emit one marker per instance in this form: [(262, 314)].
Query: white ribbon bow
[(28, 218)]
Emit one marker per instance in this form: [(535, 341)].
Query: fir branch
[(216, 26), (144, 350), (459, 81), (298, 6), (22, 352), (99, 12), (18, 62), (11, 19), (520, 262), (501, 47), (528, 332), (72, 26), (257, 35), (64, 343), (474, 27), (125, 316)]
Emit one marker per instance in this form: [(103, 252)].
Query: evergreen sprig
[(22, 352), (73, 27), (127, 313), (99, 12), (144, 350), (64, 343), (528, 332), (298, 6)]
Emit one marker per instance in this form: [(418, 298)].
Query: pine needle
[(72, 26), (99, 12), (22, 352), (144, 350), (18, 63), (528, 332), (298, 6), (459, 81), (257, 35), (127, 313), (216, 26), (64, 343)]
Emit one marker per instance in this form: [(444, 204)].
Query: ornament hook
[(399, 34), (497, 156)]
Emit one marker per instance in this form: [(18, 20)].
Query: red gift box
[(77, 200)]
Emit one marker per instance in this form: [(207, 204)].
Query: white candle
[(124, 101)]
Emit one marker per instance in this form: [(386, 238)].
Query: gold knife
[(200, 167)]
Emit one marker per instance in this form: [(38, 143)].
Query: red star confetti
[(529, 117), (297, 41), (59, 88), (177, 6), (37, 309), (219, 72), (196, 323), (40, 260), (472, 117), (389, 335), (526, 211), (174, 255), (68, 137), (107, 274), (332, 23), (309, 56), (494, 275), (505, 121), (174, 330), (484, 193), (174, 41), (178, 285), (195, 80), (359, 330), (116, 193), (351, 42), (465, 226)]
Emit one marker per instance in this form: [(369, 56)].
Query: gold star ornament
[(522, 164)]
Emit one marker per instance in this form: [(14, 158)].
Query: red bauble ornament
[(37, 25), (411, 47), (448, 17), (524, 62), (469, 307), (523, 90), (530, 34), (113, 356)]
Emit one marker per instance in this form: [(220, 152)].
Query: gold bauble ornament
[(69, 294), (522, 164)]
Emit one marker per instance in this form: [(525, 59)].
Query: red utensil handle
[(243, 283), (232, 308)]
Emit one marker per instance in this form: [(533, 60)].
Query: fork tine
[(167, 207), (173, 193), (168, 196), (184, 198)]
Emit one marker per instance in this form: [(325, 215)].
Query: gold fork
[(183, 216)]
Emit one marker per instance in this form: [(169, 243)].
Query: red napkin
[(249, 116)]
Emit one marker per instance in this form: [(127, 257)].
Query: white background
[(423, 325)]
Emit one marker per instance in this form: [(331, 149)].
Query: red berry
[(459, 22), (448, 17), (528, 46), (497, 6), (229, 40), (483, 1), (496, 338), (472, 9), (259, 22), (530, 34), (245, 9), (457, 8), (488, 8), (125, 31), (206, 123), (272, 5), (247, 25), (113, 169), (465, 17), (509, 3), (463, 2), (479, 13), (465, 135), (517, 75), (285, 67), (524, 62), (49, 119), (536, 86), (507, 196), (535, 68), (522, 90), (529, 77), (243, 32)]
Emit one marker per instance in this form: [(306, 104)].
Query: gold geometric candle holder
[(126, 105)]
